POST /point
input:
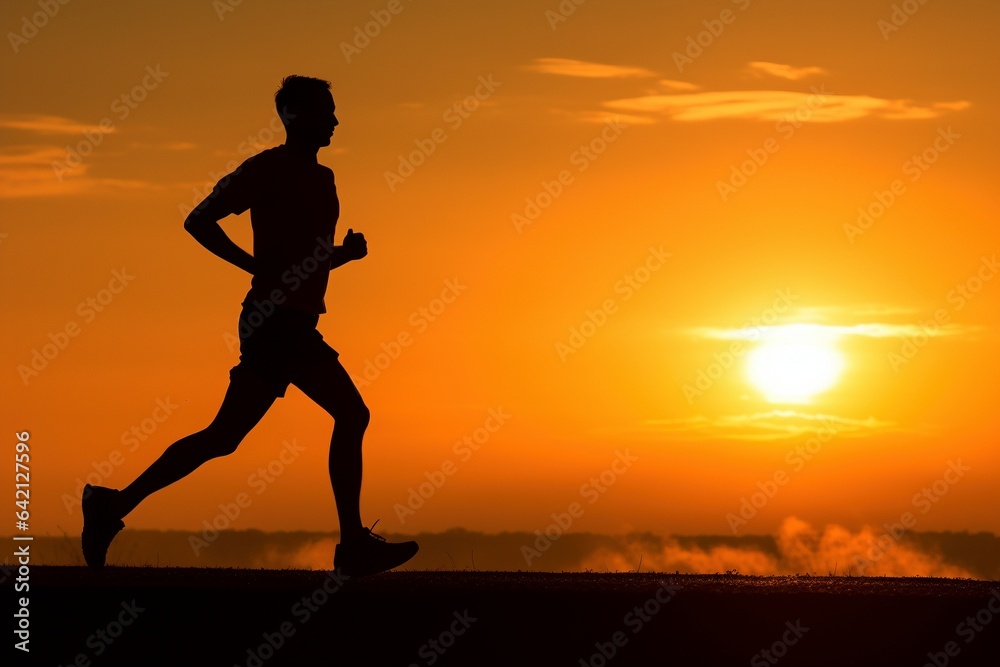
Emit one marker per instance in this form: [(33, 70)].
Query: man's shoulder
[(266, 158), (258, 169)]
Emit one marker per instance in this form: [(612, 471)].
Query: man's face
[(315, 123)]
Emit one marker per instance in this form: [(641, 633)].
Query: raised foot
[(100, 524)]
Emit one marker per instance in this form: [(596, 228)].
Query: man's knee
[(356, 416), (218, 442)]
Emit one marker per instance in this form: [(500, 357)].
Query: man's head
[(305, 106)]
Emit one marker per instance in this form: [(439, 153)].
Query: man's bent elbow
[(191, 223), (197, 221), (203, 215)]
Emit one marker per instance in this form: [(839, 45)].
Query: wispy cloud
[(43, 124), (26, 171), (772, 425), (774, 105), (813, 313), (670, 84), (830, 331), (164, 145), (790, 72), (601, 117), (588, 70), (31, 155)]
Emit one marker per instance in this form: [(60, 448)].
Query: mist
[(798, 548)]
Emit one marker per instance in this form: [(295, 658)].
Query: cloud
[(775, 105), (31, 155), (761, 69), (830, 332), (813, 313), (584, 69), (771, 425), (26, 171), (601, 117), (669, 84), (43, 124), (164, 146)]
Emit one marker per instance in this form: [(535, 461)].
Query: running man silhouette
[(293, 211)]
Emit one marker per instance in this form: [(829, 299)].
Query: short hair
[(296, 92)]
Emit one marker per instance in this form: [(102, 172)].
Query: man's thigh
[(248, 398), (324, 379)]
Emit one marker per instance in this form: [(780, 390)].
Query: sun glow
[(794, 365)]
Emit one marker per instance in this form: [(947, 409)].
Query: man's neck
[(304, 151)]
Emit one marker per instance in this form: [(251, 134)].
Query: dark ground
[(175, 616)]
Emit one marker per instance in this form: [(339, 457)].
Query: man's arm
[(355, 247), (339, 257), (203, 225)]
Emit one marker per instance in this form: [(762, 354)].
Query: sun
[(793, 366)]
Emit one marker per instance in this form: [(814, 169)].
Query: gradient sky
[(695, 193)]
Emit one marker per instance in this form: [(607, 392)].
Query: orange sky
[(681, 194)]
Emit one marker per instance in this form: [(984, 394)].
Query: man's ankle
[(353, 535)]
